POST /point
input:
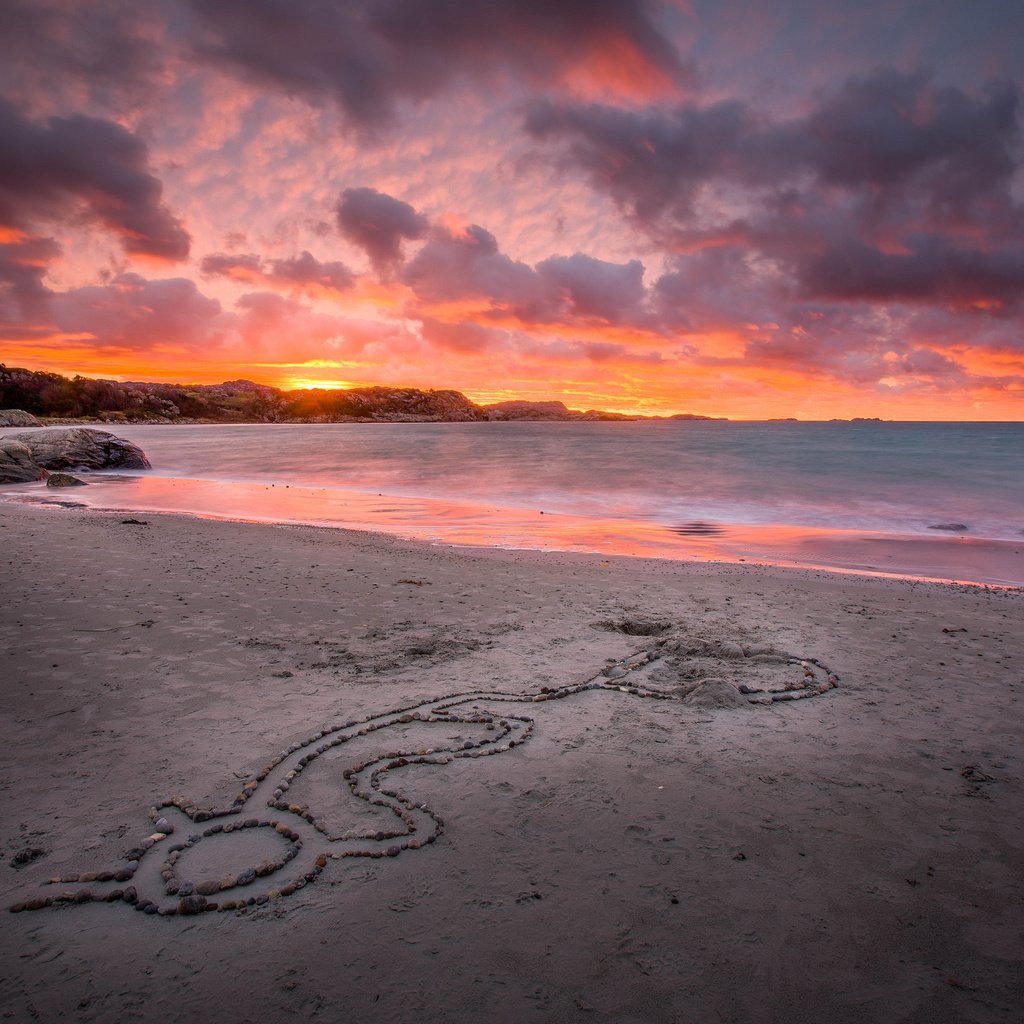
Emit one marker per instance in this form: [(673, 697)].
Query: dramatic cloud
[(468, 266), (368, 55), (113, 51), (464, 272), (890, 191), (304, 274), (932, 270), (378, 223), (893, 142), (593, 288), (649, 162), (70, 166), (673, 206)]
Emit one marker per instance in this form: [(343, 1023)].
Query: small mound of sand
[(714, 694), (635, 626)]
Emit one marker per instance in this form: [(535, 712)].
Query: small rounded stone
[(192, 905)]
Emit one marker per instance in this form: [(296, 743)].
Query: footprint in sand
[(198, 859)]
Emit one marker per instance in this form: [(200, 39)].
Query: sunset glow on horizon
[(751, 211)]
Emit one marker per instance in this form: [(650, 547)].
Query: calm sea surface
[(685, 479)]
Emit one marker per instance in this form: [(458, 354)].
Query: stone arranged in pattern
[(416, 824)]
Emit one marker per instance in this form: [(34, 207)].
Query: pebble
[(192, 905)]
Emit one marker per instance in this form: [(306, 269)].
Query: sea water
[(680, 479)]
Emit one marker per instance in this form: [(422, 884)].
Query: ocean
[(860, 496)]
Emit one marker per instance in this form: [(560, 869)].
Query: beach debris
[(698, 672)]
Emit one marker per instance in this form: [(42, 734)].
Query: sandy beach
[(857, 856)]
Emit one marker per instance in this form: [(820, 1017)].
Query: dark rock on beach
[(81, 448), (17, 466), (17, 418), (64, 480), (26, 457)]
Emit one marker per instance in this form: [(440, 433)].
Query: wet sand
[(855, 856), (942, 556)]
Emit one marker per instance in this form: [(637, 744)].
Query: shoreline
[(638, 859), (942, 559)]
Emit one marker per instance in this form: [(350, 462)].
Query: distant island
[(53, 397)]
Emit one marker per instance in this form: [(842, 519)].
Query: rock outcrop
[(28, 456), (381, 404), (523, 410), (16, 463), (519, 409), (17, 418)]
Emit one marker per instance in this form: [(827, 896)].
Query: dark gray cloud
[(300, 273), (75, 166), (379, 224), (650, 162), (368, 55), (305, 271), (113, 51), (239, 267), (469, 266), (934, 270), (595, 289), (890, 189), (888, 138)]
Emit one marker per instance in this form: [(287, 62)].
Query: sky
[(743, 209)]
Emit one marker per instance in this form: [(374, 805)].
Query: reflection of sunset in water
[(943, 558)]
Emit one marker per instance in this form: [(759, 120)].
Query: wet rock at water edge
[(64, 480), (70, 447)]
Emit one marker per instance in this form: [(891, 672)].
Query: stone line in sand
[(420, 825)]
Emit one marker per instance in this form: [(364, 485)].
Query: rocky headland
[(30, 394)]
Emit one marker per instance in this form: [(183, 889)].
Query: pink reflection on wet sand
[(957, 559)]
